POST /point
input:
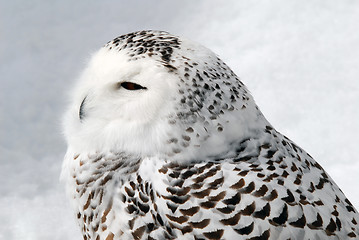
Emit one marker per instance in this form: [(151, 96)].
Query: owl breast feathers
[(165, 142)]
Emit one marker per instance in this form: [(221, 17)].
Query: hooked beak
[(82, 109)]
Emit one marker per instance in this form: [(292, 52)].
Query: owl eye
[(132, 86)]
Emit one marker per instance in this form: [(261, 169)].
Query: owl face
[(120, 104), (152, 93)]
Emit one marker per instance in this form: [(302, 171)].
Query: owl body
[(165, 142)]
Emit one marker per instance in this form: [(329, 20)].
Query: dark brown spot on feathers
[(216, 183), (202, 194), (202, 224), (176, 199), (289, 198), (339, 223), (245, 230), (188, 174), (226, 210), (186, 229), (110, 236), (190, 130), (264, 236), (270, 154), (249, 188), (270, 177), (143, 197), (232, 220), (243, 159), (352, 235), (262, 214), (260, 175), (214, 235), (208, 204), (163, 170), (129, 192), (294, 168), (285, 174), (280, 182), (178, 183), (269, 128), (139, 179), (137, 234), (172, 207), (159, 219), (87, 204), (249, 209), (202, 177), (239, 184), (297, 181), (179, 191), (331, 227), (131, 223), (174, 174), (218, 197), (180, 219), (143, 207), (186, 138), (266, 145), (234, 200), (319, 203), (300, 223), (190, 211), (273, 195), (350, 209), (104, 215), (320, 185), (196, 185), (317, 224), (131, 209), (243, 173), (311, 188), (261, 191), (282, 218)]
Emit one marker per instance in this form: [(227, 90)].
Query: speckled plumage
[(186, 153)]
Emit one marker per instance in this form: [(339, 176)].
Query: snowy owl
[(165, 142)]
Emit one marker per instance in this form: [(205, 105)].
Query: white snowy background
[(300, 60)]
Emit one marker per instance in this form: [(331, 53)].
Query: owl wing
[(268, 195)]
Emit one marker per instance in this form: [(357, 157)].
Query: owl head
[(154, 94)]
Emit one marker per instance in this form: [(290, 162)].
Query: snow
[(300, 62)]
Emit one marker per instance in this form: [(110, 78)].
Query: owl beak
[(82, 109)]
